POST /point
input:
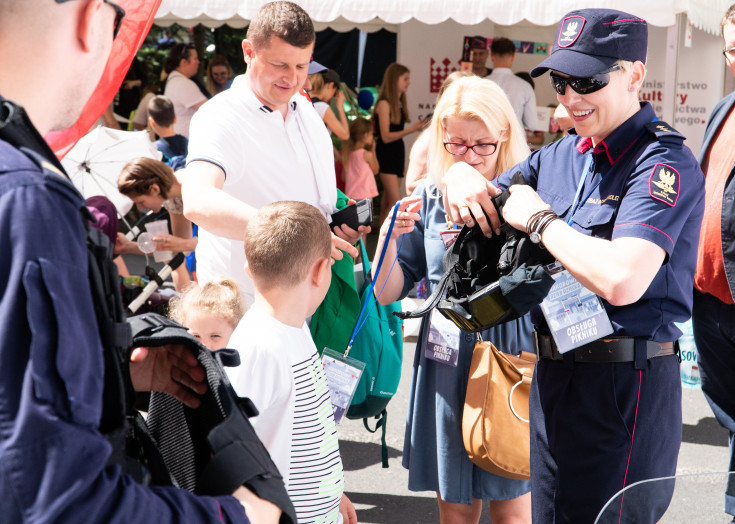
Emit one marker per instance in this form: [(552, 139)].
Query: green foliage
[(226, 40), (153, 59)]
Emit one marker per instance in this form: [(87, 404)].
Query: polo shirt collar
[(252, 102), (622, 138)]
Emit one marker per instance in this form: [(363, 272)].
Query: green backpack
[(379, 343)]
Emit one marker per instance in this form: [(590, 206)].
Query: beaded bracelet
[(538, 223), (534, 219)]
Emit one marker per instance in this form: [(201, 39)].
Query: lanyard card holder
[(574, 314), (343, 374)]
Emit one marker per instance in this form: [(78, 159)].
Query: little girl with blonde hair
[(210, 311)]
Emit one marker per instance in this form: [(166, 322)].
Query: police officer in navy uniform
[(53, 458), (619, 204)]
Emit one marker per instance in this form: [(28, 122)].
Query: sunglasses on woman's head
[(582, 85)]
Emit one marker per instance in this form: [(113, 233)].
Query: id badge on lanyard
[(442, 343), (343, 374), (574, 314)]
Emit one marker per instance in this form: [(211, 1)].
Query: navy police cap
[(589, 41)]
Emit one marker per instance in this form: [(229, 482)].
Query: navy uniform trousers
[(596, 428)]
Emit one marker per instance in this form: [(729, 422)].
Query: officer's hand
[(522, 203), (467, 194), (171, 369), (257, 509), (347, 509)]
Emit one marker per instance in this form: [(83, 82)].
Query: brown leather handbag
[(495, 419)]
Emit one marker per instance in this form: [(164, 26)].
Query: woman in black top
[(391, 113)]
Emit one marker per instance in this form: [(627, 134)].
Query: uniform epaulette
[(665, 134)]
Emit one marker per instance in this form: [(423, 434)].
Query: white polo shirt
[(184, 94), (520, 93), (265, 159)]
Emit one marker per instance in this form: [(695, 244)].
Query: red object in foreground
[(135, 26)]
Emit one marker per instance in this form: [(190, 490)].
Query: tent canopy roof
[(373, 14)]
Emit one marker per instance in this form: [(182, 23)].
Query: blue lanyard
[(577, 203), (372, 303)]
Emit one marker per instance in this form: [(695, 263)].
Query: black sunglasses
[(582, 85), (119, 15)]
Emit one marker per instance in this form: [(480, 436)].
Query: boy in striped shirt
[(287, 245)]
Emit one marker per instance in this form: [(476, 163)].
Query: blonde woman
[(418, 157), (473, 123)]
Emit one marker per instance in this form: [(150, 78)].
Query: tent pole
[(672, 70)]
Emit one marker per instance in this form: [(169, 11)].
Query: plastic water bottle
[(689, 367)]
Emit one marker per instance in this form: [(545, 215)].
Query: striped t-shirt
[(315, 479), (282, 374)]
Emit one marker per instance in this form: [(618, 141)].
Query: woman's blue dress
[(433, 450)]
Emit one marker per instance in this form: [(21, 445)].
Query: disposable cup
[(159, 228)]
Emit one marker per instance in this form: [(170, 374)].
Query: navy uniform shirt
[(53, 459), (637, 186)]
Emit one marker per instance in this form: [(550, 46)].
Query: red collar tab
[(584, 145)]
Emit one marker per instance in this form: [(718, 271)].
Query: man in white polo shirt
[(519, 92), (259, 142), (181, 66)]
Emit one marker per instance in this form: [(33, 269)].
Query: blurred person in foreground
[(55, 464)]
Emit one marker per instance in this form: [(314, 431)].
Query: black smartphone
[(354, 216)]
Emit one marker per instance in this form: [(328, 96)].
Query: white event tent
[(685, 67), (704, 14)]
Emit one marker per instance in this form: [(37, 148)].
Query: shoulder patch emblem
[(663, 184), (570, 30)]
